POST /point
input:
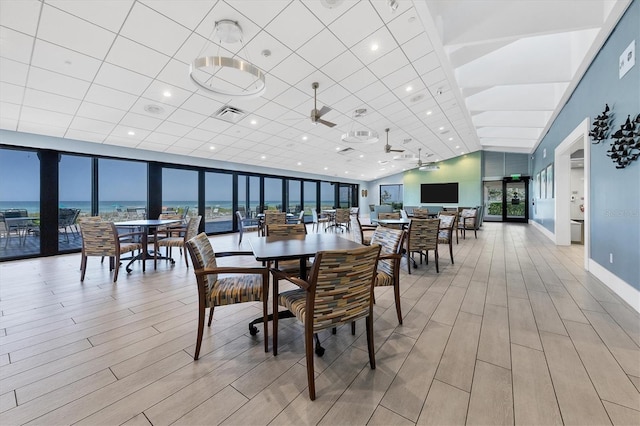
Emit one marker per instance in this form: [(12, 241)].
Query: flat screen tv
[(439, 193)]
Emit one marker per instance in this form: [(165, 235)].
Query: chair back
[(423, 234), (468, 218), (354, 211), (453, 213), (170, 216), (341, 286), (203, 257), (67, 217), (421, 213), (343, 215), (279, 230), (275, 218), (392, 215), (99, 238), (403, 214), (358, 235), (447, 222), (390, 241), (192, 227)]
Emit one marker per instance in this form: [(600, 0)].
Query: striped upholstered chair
[(422, 237), (100, 238), (175, 237), (361, 233), (445, 234), (245, 284), (339, 290), (388, 274)]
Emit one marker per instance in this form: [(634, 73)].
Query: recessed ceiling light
[(167, 94), (409, 88), (264, 157), (131, 133), (346, 172), (411, 19), (382, 169), (254, 122), (299, 163), (326, 168), (154, 109), (304, 138), (462, 152), (457, 146), (212, 148), (429, 112), (441, 128), (450, 139), (361, 155), (337, 148), (374, 47)]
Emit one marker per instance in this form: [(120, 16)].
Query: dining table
[(300, 247), (402, 222), (146, 225)]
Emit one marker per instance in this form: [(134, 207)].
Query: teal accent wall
[(614, 209), (466, 170)]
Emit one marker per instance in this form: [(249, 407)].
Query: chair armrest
[(390, 256), (369, 227), (279, 275), (254, 270), (130, 234), (234, 253)]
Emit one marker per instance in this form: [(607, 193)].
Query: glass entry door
[(493, 201), (515, 200)]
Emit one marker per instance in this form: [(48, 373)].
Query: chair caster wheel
[(253, 330), (173, 262), (319, 350)]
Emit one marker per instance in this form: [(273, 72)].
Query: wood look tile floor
[(515, 332)]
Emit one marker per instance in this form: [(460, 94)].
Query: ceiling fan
[(387, 147), (425, 166), (317, 114)]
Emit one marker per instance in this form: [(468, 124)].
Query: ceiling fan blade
[(396, 150), (325, 122), (325, 109)]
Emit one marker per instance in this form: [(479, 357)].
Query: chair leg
[(265, 319), (396, 293), (155, 254), (116, 267), (83, 267), (372, 355), (186, 258), (201, 328), (353, 328), (210, 316), (436, 256), (451, 251), (308, 346)]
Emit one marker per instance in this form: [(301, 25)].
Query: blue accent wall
[(614, 193)]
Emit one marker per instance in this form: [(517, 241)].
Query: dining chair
[(421, 213), (291, 267), (246, 224), (422, 237), (317, 220), (342, 218), (454, 214), (339, 291), (101, 238), (468, 221), (390, 215), (245, 284), (175, 237), (361, 233), (388, 272), (445, 234), (272, 217)]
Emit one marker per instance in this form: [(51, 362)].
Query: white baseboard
[(544, 230), (623, 289)]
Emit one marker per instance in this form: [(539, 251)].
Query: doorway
[(515, 199), (493, 201)]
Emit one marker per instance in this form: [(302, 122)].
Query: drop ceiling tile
[(274, 128), (50, 102), (253, 51), (292, 98), (328, 14), (196, 46), (9, 110), (356, 24), (222, 11), (406, 25), (104, 13), (40, 129), (11, 93), (358, 80), (201, 104), (82, 124), (156, 110), (21, 15), (293, 69), (119, 141), (151, 29), (157, 89), (162, 138), (136, 57), (188, 13), (84, 136), (106, 96), (214, 125), (65, 30), (15, 45), (51, 82), (64, 61), (186, 118), (201, 135), (271, 111), (381, 39), (140, 121), (123, 132), (13, 72), (294, 26), (99, 112), (434, 78), (389, 63), (122, 79), (322, 48), (176, 74), (426, 63), (400, 77)]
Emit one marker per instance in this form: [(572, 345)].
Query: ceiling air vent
[(229, 113), (346, 151)]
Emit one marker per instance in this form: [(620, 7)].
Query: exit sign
[(516, 176)]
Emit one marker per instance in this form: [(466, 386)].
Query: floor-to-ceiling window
[(327, 195), (346, 193), (19, 203), (255, 206), (122, 189), (74, 193), (273, 194), (294, 199), (218, 205), (310, 194), (180, 192)]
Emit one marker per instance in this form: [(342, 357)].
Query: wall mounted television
[(439, 193)]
